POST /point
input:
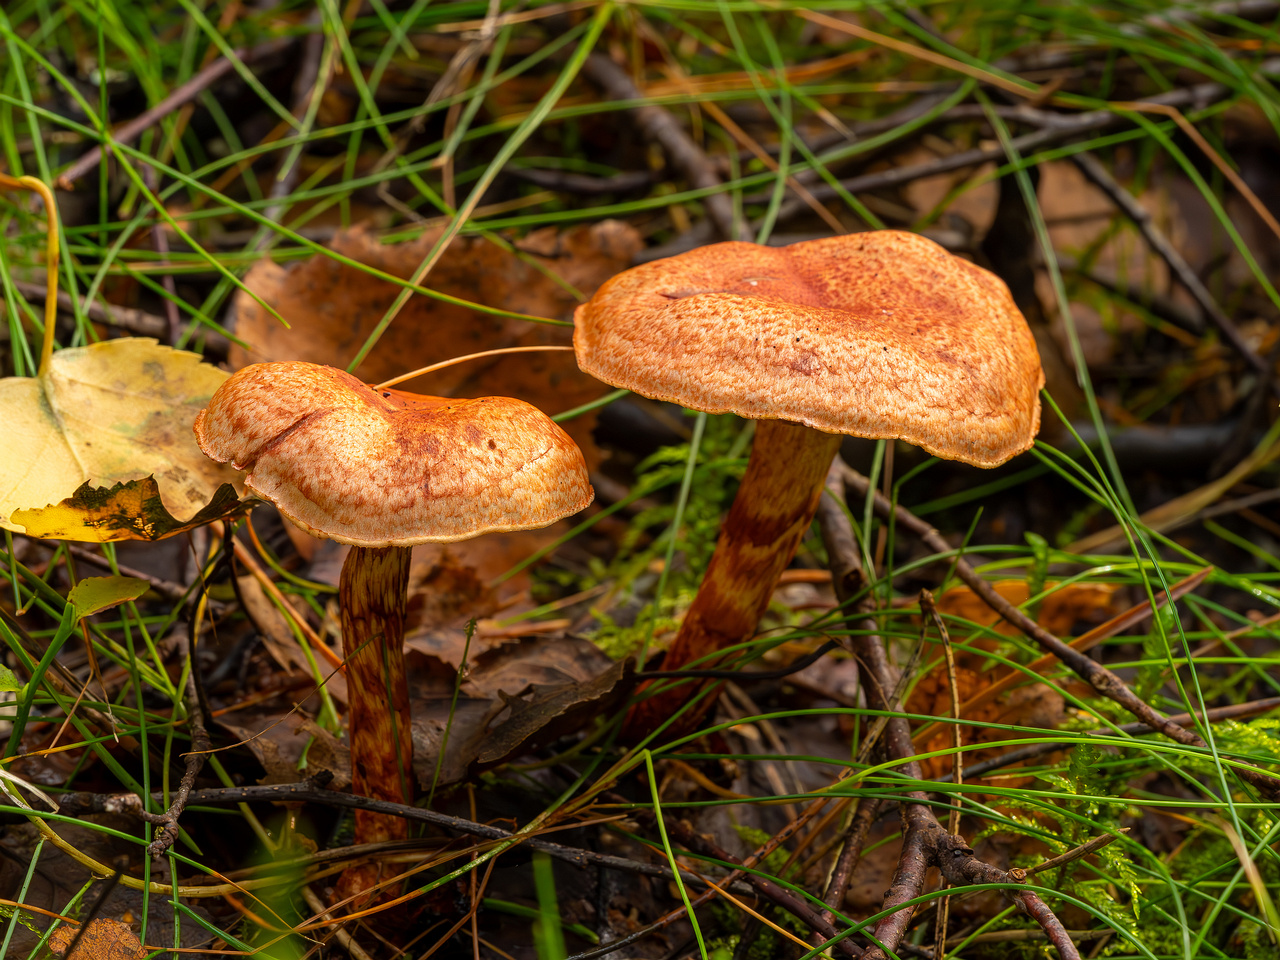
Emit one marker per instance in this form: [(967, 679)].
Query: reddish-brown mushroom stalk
[(882, 335), (383, 470)]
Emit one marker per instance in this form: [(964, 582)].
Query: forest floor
[(1022, 712)]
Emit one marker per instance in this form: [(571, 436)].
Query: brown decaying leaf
[(104, 939), (1058, 612), (517, 694), (1080, 224), (332, 309), (1032, 706), (551, 711), (449, 583), (278, 740), (278, 637)]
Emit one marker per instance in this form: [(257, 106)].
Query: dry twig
[(1142, 219), (925, 841), (123, 318), (313, 791), (657, 124), (184, 94), (1103, 681)]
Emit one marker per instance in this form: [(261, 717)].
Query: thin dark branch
[(850, 851), (1054, 128), (660, 126), (778, 895), (313, 791), (166, 588), (304, 83), (135, 321), (744, 676), (1237, 711), (1094, 845), (584, 184), (160, 243), (1099, 175), (184, 94), (925, 841), (1054, 931), (193, 761), (124, 318), (1103, 681), (637, 935)]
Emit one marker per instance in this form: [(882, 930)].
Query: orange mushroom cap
[(881, 334), (382, 468)]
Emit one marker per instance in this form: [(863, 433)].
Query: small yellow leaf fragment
[(95, 594), (105, 414), (126, 511)]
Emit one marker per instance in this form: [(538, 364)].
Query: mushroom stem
[(373, 592), (773, 509)]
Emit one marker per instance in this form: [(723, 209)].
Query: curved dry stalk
[(36, 185), (432, 368)]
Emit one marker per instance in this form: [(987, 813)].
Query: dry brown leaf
[(1028, 706), (518, 693), (449, 583), (279, 740), (104, 939), (1079, 217), (1032, 706), (277, 636), (1090, 602), (548, 711), (332, 309)]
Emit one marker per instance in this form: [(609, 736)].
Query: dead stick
[(184, 94), (1102, 680), (779, 896), (194, 762), (160, 243), (166, 588), (636, 935), (925, 841), (1061, 127), (123, 318), (660, 126), (1097, 843), (850, 852), (126, 318), (1142, 219), (312, 791)]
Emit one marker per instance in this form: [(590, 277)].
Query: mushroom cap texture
[(382, 468), (880, 334)]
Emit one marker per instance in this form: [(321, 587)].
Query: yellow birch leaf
[(126, 511), (106, 415)]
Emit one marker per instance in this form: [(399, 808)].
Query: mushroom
[(383, 470), (881, 334)]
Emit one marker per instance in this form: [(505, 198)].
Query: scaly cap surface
[(881, 334), (378, 468)]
